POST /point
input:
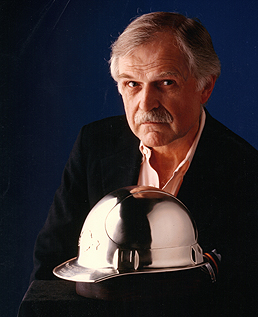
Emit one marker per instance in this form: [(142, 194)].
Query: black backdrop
[(55, 78)]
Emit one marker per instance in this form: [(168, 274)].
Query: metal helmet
[(134, 230)]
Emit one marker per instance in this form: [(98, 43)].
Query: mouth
[(154, 122)]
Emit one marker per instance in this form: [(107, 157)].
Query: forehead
[(160, 55)]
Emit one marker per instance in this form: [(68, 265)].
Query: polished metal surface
[(134, 230)]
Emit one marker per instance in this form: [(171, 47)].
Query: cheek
[(129, 115), (129, 107)]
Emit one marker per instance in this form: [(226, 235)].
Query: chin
[(155, 138), (154, 143)]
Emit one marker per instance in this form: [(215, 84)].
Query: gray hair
[(192, 38)]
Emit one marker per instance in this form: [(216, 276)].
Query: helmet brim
[(72, 271)]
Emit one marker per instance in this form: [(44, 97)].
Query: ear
[(207, 89)]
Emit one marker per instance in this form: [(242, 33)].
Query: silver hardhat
[(134, 230)]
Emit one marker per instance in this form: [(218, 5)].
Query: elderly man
[(165, 67)]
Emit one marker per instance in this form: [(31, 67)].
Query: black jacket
[(220, 189)]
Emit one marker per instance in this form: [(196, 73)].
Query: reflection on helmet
[(134, 230)]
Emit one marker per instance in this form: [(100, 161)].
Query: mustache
[(160, 115)]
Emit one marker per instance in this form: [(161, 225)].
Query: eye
[(168, 82), (132, 84)]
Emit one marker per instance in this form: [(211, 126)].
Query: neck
[(165, 159)]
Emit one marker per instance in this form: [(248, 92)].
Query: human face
[(156, 78)]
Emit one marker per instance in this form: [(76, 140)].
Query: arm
[(58, 239)]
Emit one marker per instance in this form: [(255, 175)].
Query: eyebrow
[(173, 73), (161, 75)]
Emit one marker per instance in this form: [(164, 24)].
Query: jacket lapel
[(122, 168)]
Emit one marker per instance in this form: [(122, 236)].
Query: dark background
[(55, 78)]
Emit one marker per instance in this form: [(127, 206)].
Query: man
[(165, 68)]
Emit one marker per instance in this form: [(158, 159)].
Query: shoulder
[(108, 135), (223, 155), (220, 139)]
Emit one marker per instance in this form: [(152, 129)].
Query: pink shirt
[(149, 177)]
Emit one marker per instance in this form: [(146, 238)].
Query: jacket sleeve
[(58, 239)]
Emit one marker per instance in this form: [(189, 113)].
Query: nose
[(148, 98)]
